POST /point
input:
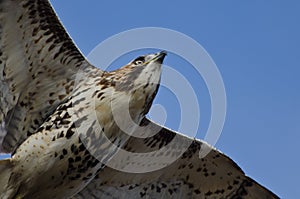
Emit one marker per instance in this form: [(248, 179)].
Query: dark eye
[(139, 60)]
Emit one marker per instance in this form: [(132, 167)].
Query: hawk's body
[(67, 123)]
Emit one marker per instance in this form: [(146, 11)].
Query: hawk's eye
[(140, 60)]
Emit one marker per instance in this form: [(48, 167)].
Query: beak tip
[(163, 52), (161, 56)]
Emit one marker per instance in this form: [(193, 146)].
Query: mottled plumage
[(72, 128)]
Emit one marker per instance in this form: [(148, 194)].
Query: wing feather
[(185, 176), (38, 65)]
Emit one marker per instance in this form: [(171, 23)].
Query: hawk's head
[(141, 80), (132, 88)]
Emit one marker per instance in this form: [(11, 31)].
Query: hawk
[(71, 127)]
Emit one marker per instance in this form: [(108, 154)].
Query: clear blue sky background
[(256, 46)]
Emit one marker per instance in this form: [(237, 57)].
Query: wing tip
[(253, 189)]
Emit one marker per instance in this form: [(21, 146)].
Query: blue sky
[(255, 45)]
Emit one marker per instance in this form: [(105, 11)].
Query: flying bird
[(75, 131)]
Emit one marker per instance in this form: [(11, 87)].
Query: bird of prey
[(71, 127)]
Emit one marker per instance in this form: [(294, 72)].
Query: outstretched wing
[(167, 165), (38, 63)]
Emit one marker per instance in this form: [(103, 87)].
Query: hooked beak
[(159, 57)]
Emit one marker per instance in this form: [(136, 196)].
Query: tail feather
[(5, 173)]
